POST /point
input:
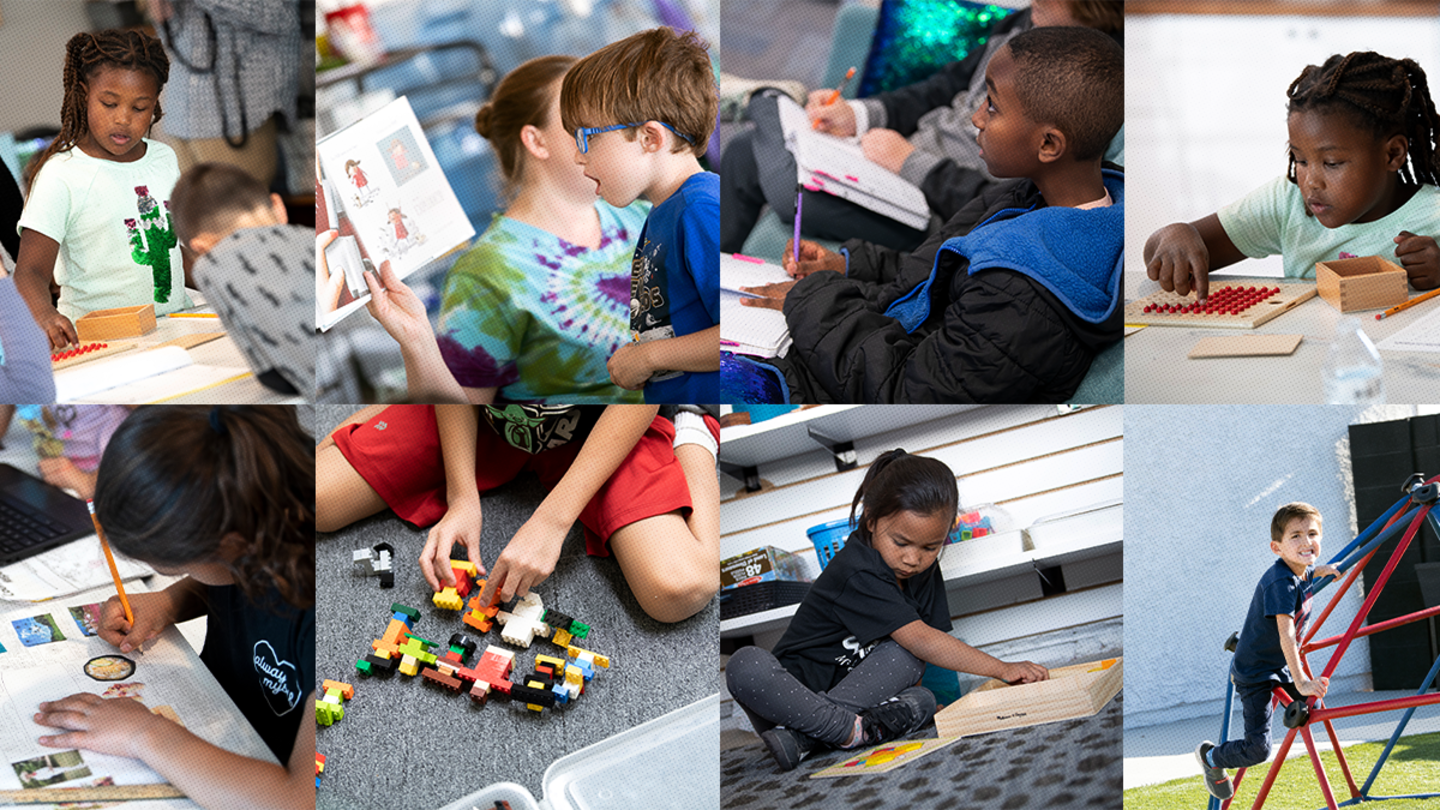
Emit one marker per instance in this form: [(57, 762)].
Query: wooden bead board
[(111, 349), (1289, 297)]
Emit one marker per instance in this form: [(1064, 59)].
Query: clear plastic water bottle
[(1353, 372)]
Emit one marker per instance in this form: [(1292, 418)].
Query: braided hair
[(1387, 96), (85, 55)]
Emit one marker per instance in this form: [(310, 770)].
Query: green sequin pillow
[(915, 38)]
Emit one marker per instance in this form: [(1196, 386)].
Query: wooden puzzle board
[(1245, 346), (1075, 691), (192, 340), (1080, 690), (110, 349), (1288, 297), (884, 758)]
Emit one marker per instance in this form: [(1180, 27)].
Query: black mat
[(1069, 764), (407, 743)]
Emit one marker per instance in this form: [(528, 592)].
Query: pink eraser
[(742, 257), (852, 178)]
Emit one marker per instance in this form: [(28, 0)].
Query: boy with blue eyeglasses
[(655, 92)]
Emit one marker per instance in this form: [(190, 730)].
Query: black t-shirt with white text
[(854, 605)]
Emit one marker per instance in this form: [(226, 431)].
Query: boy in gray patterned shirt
[(254, 269)]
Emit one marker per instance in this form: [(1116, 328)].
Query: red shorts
[(398, 455)]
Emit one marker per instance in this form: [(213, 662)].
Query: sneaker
[(898, 716), (787, 747), (1215, 779), (735, 94)]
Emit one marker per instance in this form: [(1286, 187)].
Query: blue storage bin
[(829, 538)]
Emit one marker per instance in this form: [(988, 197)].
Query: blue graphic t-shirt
[(675, 283)]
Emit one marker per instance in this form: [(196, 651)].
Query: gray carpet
[(407, 743), (1069, 764)]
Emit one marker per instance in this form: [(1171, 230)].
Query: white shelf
[(787, 435), (961, 572)]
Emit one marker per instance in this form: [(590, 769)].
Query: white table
[(1157, 369)]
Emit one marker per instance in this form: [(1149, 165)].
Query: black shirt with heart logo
[(263, 655)]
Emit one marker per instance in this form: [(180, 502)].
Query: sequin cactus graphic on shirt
[(151, 238)]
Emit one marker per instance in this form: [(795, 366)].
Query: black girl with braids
[(844, 673), (225, 495), (99, 192), (1363, 179)]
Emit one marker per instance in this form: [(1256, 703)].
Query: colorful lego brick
[(463, 644), (576, 652), (560, 638), (535, 694), (320, 767), (435, 676), (465, 573), (447, 599), (492, 669), (523, 624), (579, 629), (364, 563), (330, 708), (346, 689)]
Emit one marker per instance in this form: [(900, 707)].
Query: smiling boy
[(642, 110), (1268, 655), (1013, 297)]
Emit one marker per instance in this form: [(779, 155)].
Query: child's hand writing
[(630, 366), (813, 259), (95, 724), (1176, 256), (461, 523), (772, 295), (153, 613), (1317, 687), (1421, 258), (886, 148), (528, 559), (836, 119), (1024, 672)]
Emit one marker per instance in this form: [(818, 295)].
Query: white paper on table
[(169, 671), (172, 384), (838, 166), (76, 566), (1421, 336), (97, 376)]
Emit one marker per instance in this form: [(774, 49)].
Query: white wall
[(1205, 108), (1202, 484), (32, 58)]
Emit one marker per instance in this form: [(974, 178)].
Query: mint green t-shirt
[(1271, 219)]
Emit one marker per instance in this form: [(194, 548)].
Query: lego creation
[(478, 617), (331, 708), (453, 598), (1365, 282), (1232, 306), (110, 324), (376, 560), (1074, 691), (1407, 515), (86, 353), (319, 767), (523, 623)]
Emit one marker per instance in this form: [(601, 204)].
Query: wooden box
[(1367, 282), (1074, 691), (111, 324)]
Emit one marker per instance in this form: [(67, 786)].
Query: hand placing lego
[(1421, 258), (117, 726), (461, 524), (772, 296), (813, 259), (1024, 672), (1317, 687), (886, 148), (528, 559), (153, 611)]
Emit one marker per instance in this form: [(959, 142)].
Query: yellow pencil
[(1412, 302), (110, 558), (192, 315)]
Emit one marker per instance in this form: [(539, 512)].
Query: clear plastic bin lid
[(669, 763)]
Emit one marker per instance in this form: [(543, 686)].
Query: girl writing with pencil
[(99, 195), (226, 496)]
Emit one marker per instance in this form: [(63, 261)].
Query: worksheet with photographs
[(381, 178), (50, 650)]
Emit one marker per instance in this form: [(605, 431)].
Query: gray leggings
[(773, 697)]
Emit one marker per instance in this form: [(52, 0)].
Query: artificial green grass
[(1413, 767)]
